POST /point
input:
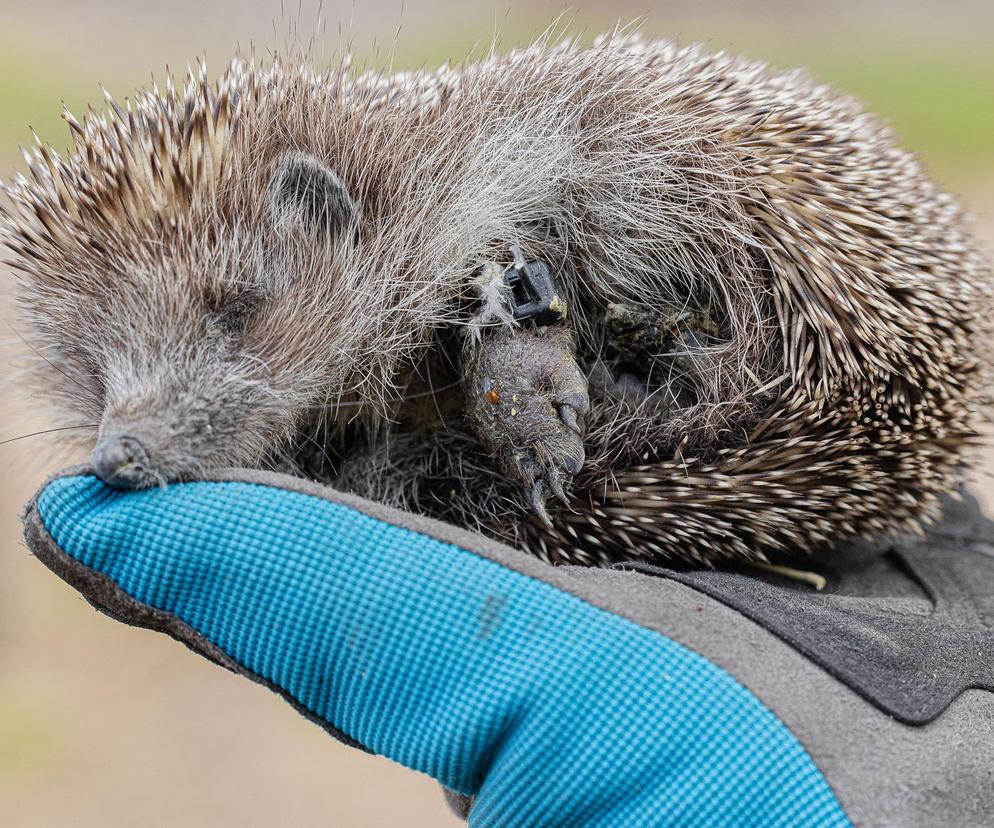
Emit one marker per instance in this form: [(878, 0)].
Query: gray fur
[(164, 301)]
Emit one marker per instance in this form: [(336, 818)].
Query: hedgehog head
[(185, 280)]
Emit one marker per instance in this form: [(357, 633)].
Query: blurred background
[(105, 725)]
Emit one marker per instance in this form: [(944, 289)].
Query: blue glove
[(541, 696)]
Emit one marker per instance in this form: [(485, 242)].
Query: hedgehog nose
[(121, 461)]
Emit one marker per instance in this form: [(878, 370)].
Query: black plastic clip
[(533, 293)]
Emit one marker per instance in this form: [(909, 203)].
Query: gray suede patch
[(909, 657)]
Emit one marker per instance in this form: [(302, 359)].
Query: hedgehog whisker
[(431, 392), (47, 431), (51, 364)]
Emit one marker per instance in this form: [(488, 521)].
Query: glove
[(565, 696)]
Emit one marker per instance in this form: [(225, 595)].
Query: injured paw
[(526, 399)]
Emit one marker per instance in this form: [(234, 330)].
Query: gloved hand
[(543, 696)]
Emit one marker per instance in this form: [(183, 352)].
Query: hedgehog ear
[(305, 191)]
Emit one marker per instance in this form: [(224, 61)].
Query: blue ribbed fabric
[(552, 711)]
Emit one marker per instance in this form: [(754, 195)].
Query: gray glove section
[(909, 629), (885, 773)]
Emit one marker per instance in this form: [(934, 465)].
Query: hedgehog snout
[(122, 461)]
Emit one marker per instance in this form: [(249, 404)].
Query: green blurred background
[(104, 725)]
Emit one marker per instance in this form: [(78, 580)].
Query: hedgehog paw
[(526, 399)]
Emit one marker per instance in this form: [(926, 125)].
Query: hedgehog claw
[(573, 463), (557, 488), (537, 500), (568, 415)]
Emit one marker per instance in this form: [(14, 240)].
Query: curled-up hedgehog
[(629, 301)]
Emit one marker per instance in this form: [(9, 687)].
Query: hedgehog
[(629, 301)]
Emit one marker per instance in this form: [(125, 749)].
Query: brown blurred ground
[(105, 725)]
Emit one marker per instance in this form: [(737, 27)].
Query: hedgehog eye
[(236, 314), (231, 312), (304, 191)]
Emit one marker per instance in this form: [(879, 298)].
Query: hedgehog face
[(203, 348), (214, 371)]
